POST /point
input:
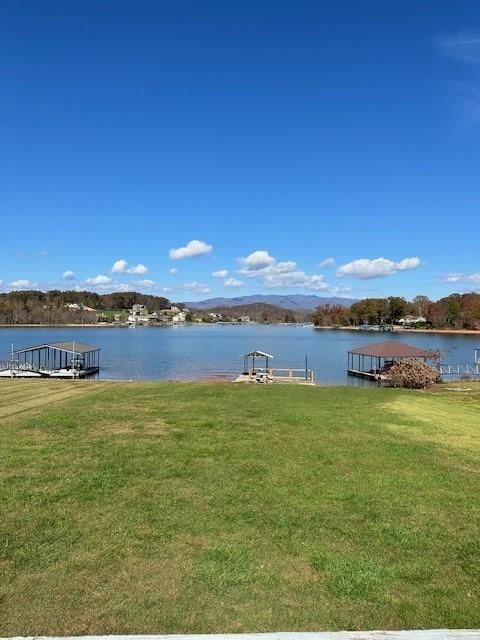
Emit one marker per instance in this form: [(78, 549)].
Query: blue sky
[(197, 148)]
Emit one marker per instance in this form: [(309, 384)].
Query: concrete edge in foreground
[(417, 634)]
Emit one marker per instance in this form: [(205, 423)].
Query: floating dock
[(69, 360)]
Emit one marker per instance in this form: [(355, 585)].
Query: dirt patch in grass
[(153, 427)]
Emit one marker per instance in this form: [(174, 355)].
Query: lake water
[(208, 351)]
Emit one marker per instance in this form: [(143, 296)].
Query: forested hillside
[(37, 307)]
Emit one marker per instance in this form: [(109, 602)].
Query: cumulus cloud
[(22, 284), (195, 287), (222, 273), (257, 260), (68, 275), (139, 269), (233, 283), (98, 280), (146, 283), (121, 266), (365, 269), (173, 271), (191, 250), (276, 274), (328, 262)]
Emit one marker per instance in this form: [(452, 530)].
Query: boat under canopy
[(68, 359)]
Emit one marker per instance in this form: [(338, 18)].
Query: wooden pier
[(272, 375), (268, 375)]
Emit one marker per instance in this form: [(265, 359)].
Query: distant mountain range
[(296, 302)]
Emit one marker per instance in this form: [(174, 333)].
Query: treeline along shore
[(456, 312)]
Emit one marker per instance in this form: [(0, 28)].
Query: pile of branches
[(413, 374)]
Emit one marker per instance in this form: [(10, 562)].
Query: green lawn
[(149, 507)]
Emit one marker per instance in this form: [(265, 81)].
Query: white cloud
[(146, 283), (173, 271), (190, 250), (138, 269), (114, 287), (121, 266), (68, 275), (222, 273), (233, 283), (453, 277), (295, 279), (257, 260), (98, 280), (378, 268), (328, 262), (339, 289), (195, 287), (279, 274), (22, 284)]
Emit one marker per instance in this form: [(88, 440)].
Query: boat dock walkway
[(283, 376)]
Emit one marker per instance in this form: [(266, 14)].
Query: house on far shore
[(411, 320), (140, 316), (244, 319)]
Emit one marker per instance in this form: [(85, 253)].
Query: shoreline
[(410, 331), (209, 324)]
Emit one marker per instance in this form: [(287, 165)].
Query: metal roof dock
[(67, 359)]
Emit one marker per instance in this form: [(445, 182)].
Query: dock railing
[(286, 374), (459, 369)]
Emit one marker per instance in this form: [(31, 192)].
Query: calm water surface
[(207, 351)]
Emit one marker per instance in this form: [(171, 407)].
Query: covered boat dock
[(52, 360), (372, 361)]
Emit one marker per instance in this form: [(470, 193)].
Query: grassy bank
[(150, 507)]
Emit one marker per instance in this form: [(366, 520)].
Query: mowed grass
[(150, 507)]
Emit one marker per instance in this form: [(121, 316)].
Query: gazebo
[(250, 370), (370, 361)]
